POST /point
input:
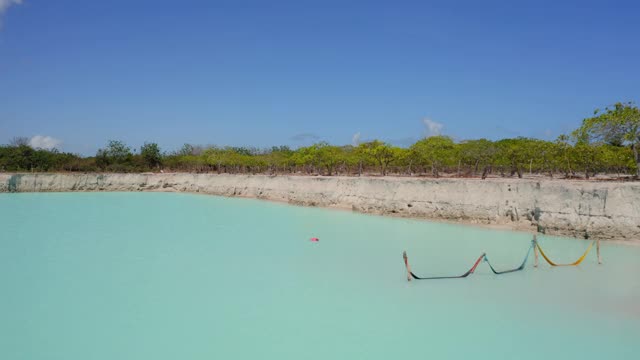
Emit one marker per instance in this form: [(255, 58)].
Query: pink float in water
[(314, 239)]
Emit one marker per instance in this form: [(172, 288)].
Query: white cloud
[(5, 4), (355, 139), (434, 128), (44, 142)]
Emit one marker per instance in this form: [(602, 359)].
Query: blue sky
[(265, 73)]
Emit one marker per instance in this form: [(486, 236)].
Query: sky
[(75, 74)]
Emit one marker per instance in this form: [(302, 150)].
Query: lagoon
[(168, 276)]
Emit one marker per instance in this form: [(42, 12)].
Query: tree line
[(607, 143)]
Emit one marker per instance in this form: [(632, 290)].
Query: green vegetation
[(608, 143), (616, 126), (151, 154)]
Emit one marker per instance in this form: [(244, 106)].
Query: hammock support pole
[(535, 250), (406, 264)]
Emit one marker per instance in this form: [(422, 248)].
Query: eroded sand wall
[(605, 210)]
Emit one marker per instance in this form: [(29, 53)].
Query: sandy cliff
[(574, 208)]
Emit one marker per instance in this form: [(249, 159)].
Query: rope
[(521, 267), (577, 262)]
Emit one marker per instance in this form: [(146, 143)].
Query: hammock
[(577, 262), (521, 267), (534, 245), (469, 272)]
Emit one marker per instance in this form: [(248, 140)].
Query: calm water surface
[(179, 276)]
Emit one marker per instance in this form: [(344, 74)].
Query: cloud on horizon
[(5, 5), (433, 128), (44, 142), (355, 139)]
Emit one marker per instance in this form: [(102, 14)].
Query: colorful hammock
[(577, 262), (534, 245), (521, 267), (470, 271)]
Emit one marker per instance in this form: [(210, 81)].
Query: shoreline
[(498, 227), (605, 210)]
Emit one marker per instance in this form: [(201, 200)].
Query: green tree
[(328, 156), (515, 154), (615, 159), (307, 158), (118, 152), (478, 154), (435, 151), (116, 156), (151, 155), (404, 160), (564, 154), (278, 158), (361, 157), (381, 153), (617, 125), (543, 156), (25, 158), (17, 158), (587, 157), (102, 159)]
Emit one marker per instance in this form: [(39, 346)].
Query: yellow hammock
[(577, 262)]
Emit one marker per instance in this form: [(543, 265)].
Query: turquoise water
[(180, 276)]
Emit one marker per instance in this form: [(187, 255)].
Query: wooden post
[(406, 264), (535, 250), (598, 251)]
